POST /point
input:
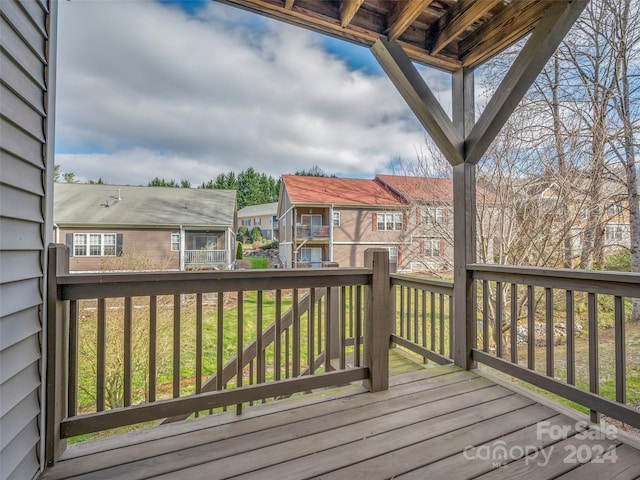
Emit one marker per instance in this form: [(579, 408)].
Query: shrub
[(239, 251), (256, 234), (269, 245), (620, 261), (243, 233)]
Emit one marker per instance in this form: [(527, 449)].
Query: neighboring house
[(161, 227), (263, 216), (429, 233), (325, 219), (605, 220)]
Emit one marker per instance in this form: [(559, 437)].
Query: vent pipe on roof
[(119, 197)]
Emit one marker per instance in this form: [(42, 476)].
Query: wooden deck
[(424, 426)]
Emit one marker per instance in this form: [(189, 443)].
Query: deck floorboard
[(435, 422)]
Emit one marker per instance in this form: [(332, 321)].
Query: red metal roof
[(341, 191)]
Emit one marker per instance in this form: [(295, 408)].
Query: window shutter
[(418, 216), (374, 222), (404, 221), (442, 248), (119, 244), (421, 247), (399, 257), (69, 243)]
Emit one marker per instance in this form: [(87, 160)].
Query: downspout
[(182, 248), (57, 232)]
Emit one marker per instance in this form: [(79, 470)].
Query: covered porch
[(339, 372)]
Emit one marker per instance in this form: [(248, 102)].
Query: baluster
[(514, 323), (153, 328), (176, 346), (621, 354), (549, 331), (72, 387), (571, 337), (101, 354), (594, 384), (128, 313), (240, 346)]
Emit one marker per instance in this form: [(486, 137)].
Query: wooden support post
[(464, 228), (377, 324), (57, 351)]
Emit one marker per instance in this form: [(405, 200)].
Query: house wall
[(26, 168), (143, 249)]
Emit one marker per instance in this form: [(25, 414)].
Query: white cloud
[(145, 90)]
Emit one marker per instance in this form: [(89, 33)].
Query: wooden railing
[(132, 348), (521, 308), (423, 317)]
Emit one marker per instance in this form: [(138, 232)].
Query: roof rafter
[(348, 9), (500, 32), (403, 16), (544, 40), (288, 4), (455, 21)]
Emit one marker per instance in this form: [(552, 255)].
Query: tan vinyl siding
[(152, 247), (23, 231)]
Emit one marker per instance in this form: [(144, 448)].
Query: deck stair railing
[(132, 348)]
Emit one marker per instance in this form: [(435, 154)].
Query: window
[(432, 247), (94, 244), (433, 215), (257, 221), (175, 242), (614, 208), (393, 254), (246, 222), (614, 233), (389, 221), (336, 219)]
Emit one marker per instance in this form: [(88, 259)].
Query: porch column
[(182, 249), (331, 233), (464, 225)]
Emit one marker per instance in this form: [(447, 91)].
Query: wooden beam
[(455, 21), (403, 16), (544, 40), (506, 27), (348, 8), (288, 4), (420, 99)]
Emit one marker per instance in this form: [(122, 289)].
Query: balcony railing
[(205, 257), (304, 232), (523, 308), (126, 349), (133, 348)]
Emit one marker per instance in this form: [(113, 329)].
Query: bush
[(256, 234), (243, 233), (620, 261), (239, 251), (269, 245)]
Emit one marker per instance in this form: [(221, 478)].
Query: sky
[(189, 90)]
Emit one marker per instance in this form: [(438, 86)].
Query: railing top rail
[(439, 286), (613, 283), (109, 285)]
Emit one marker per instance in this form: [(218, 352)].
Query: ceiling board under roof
[(445, 34)]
